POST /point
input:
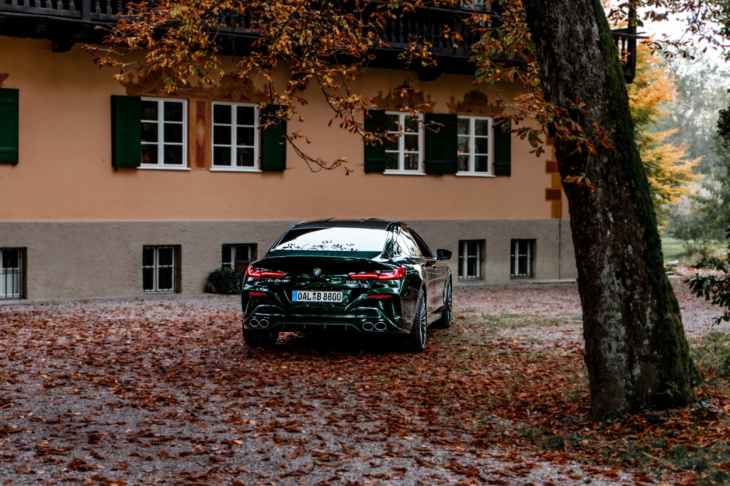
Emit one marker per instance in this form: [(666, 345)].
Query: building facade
[(112, 189)]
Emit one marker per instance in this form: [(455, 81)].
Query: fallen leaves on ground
[(163, 391)]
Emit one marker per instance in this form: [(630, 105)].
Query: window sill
[(163, 167), (474, 174), (234, 169), (404, 172)]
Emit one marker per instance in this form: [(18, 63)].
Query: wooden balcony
[(66, 22)]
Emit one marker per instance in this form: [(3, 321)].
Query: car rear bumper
[(365, 320)]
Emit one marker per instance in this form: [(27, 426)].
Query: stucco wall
[(65, 170), (74, 259)]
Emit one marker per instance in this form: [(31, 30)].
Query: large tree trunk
[(636, 350)]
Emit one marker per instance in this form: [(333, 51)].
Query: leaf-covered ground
[(163, 391)]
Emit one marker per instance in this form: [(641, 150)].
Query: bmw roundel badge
[(317, 272)]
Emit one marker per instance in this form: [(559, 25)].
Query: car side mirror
[(443, 254)]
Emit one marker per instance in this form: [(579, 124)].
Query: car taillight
[(259, 273), (395, 274)]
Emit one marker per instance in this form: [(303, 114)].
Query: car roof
[(372, 223)]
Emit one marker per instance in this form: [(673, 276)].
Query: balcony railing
[(427, 23), (84, 10)]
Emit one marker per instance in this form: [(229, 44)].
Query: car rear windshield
[(333, 240)]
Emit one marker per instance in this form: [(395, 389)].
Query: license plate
[(314, 296)]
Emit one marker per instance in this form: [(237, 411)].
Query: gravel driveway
[(162, 391)]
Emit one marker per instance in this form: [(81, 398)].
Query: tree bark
[(636, 349)]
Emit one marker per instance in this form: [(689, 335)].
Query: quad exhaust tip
[(255, 323), (378, 326)]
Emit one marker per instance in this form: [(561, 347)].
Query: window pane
[(10, 259), (482, 145), (148, 281), (463, 163), (464, 144), (391, 123), (150, 132), (411, 124), (246, 115), (227, 260), (222, 135), (410, 161), (245, 136), (149, 153), (148, 256), (222, 156), (222, 114), (165, 256), (173, 154), (173, 111), (472, 265), (165, 279), (463, 126), (391, 161), (411, 142), (481, 127), (482, 163), (245, 157), (173, 132), (391, 145), (149, 110)]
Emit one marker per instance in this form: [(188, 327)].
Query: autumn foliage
[(667, 166)]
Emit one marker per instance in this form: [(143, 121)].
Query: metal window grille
[(160, 269), (11, 273), (522, 259), (470, 259)]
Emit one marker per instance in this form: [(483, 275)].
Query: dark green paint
[(126, 131), (9, 125)]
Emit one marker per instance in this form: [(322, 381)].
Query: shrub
[(714, 287), (224, 281)]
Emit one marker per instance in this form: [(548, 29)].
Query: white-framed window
[(475, 146), (164, 133), (160, 268), (11, 273), (522, 258), (404, 153), (238, 256), (235, 137), (470, 259)]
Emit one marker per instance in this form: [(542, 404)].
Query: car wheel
[(417, 338), (260, 339), (444, 321)]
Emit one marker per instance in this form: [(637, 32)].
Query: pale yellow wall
[(65, 170)]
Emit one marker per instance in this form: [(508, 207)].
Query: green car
[(367, 276)]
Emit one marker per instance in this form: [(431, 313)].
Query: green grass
[(676, 250)]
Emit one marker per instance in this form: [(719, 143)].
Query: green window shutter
[(9, 118), (273, 141), (502, 149), (375, 154), (126, 131), (442, 145)]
